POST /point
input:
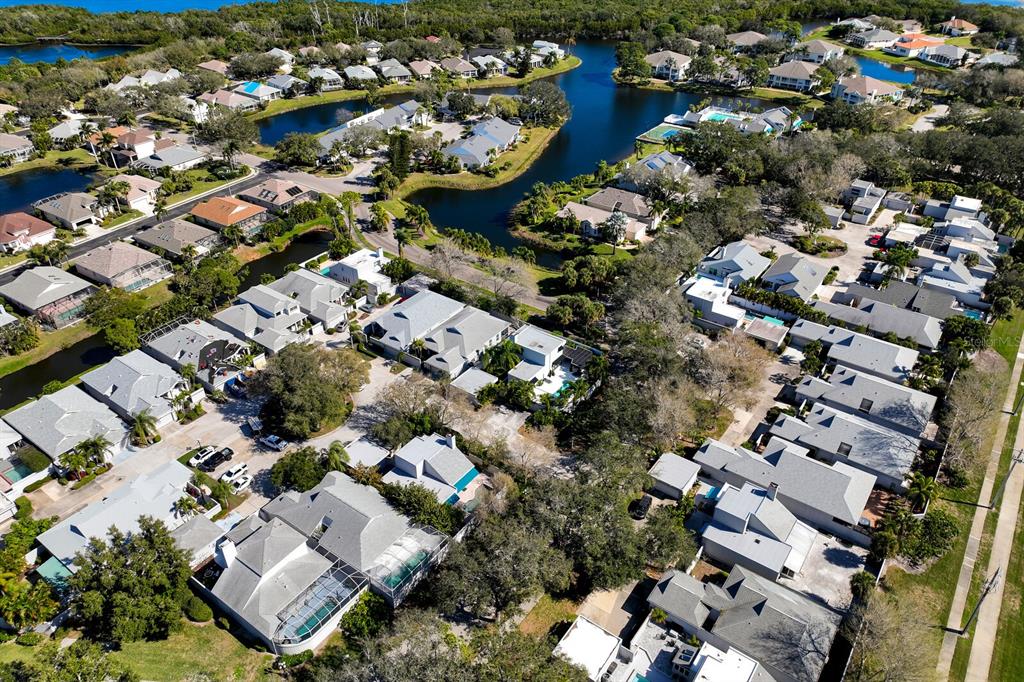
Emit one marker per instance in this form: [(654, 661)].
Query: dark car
[(222, 455), (639, 508)]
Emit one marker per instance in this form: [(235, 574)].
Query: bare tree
[(970, 405), (446, 257), (731, 370), (892, 633), (505, 277)]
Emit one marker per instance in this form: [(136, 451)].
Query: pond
[(51, 52), (19, 189), (165, 6), (895, 73)]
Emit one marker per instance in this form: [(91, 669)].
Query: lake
[(163, 6), (20, 189), (51, 52), (886, 72)]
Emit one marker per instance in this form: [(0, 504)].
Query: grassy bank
[(281, 106), (519, 160), (78, 159), (49, 343)]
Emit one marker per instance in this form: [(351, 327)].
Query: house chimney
[(380, 252), (773, 490), (226, 554), (450, 440)]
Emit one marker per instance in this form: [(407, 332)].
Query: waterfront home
[(663, 162), (911, 45), (873, 39), (288, 84), (424, 68), (155, 494), (634, 205), (393, 71), (286, 57), (54, 296), (958, 27), (857, 25), (674, 476), (795, 75), (20, 231), (861, 352), (133, 145), (66, 133), (279, 196), (997, 59), (545, 48), (949, 56), (177, 157), (171, 237), (788, 634), (229, 99), (214, 353), (58, 422), (142, 192), (734, 263), (488, 65), (194, 110), (434, 462), (330, 79), (150, 78), (883, 318), (668, 65), (865, 90), (461, 341), (261, 92), (224, 212), (710, 299), (366, 266), (70, 210), (835, 436), (771, 122), (137, 382), (216, 66), (881, 402), (411, 320), (404, 116), (745, 41), (15, 148), (123, 265), (592, 220), (265, 317), (486, 141), (834, 503), (321, 298), (360, 75), (816, 52), (459, 67), (794, 275)]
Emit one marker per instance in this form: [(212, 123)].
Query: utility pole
[(1016, 410), (1018, 458), (992, 582)]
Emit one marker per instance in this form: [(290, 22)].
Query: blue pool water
[(885, 72), (774, 320), (17, 473), (973, 314), (719, 117)]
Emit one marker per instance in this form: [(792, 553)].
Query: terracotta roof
[(961, 24), (15, 225), (226, 210), (116, 131), (215, 65)]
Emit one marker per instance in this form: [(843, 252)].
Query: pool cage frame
[(379, 574), (344, 574)]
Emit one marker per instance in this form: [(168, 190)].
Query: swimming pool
[(973, 314), (718, 117), (18, 472)]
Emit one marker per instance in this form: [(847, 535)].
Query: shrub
[(223, 623), (197, 611), (24, 506), (6, 636), (31, 639), (658, 616), (32, 487), (34, 460), (292, 660)]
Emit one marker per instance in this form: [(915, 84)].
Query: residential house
[(829, 497), (288, 84), (674, 476), (486, 141), (884, 318), (154, 494), (663, 162), (372, 47), (135, 144), (545, 48), (710, 301), (873, 39), (997, 59), (460, 342), (70, 210), (957, 207), (16, 148), (286, 57), (745, 41), (856, 25), (589, 646), (20, 231), (279, 195), (436, 463), (412, 319), (66, 133), (212, 352), (459, 67), (541, 352), (177, 157), (592, 219), (882, 402), (634, 205), (366, 266), (229, 99), (889, 361), (794, 275), (911, 44), (172, 237), (795, 75), (58, 422), (135, 383), (865, 90), (956, 280), (488, 65), (734, 263), (225, 212), (330, 79), (216, 66), (261, 92), (788, 634), (816, 52), (750, 527), (142, 192), (54, 296), (310, 52), (836, 436), (123, 265), (862, 200), (423, 68), (668, 65), (8, 111), (773, 122), (906, 295), (359, 74), (958, 27), (393, 71), (404, 116), (321, 298), (949, 56), (264, 316), (147, 80)]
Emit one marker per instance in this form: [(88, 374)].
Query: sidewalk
[(963, 584)]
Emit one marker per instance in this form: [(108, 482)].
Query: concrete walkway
[(963, 585), (986, 631)]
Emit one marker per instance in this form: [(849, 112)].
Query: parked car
[(203, 454), (241, 483), (235, 473), (255, 424), (218, 458), (875, 240), (275, 442), (638, 509)]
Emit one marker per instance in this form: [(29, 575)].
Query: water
[(18, 190), (45, 52), (886, 72), (310, 119), (163, 6)]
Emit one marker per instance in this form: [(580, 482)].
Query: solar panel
[(294, 191)]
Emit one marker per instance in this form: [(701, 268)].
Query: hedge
[(24, 506), (197, 611)]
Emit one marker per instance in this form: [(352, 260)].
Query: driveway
[(927, 121), (825, 577)]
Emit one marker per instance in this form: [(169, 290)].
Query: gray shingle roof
[(866, 353), (172, 235), (674, 470), (134, 382), (795, 275), (909, 296), (414, 317), (739, 259), (43, 285), (883, 318), (462, 338), (60, 421)]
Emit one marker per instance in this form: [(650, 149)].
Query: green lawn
[(196, 649), (76, 158), (129, 215), (204, 182), (546, 614), (49, 343)]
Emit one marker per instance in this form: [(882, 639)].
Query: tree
[(83, 661), (399, 154), (224, 126), (122, 335), (922, 490), (308, 388), (890, 628), (666, 539), (336, 456), (387, 181), (94, 449), (298, 149), (461, 105), (501, 358), (111, 303), (380, 219), (144, 428), (613, 230), (631, 62), (731, 371), (544, 104), (23, 604), (131, 587), (186, 506), (300, 470)]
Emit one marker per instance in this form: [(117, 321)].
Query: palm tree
[(925, 372), (95, 448), (73, 461), (25, 604), (160, 207), (128, 119), (144, 427), (86, 133), (337, 456), (418, 348), (418, 217), (233, 234), (117, 191), (186, 506), (189, 255), (188, 373), (402, 237), (349, 200), (501, 358), (229, 151), (107, 141), (923, 489)]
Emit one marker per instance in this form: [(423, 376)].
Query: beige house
[(123, 265)]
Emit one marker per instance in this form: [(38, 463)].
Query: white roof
[(538, 340), (676, 471), (589, 646)]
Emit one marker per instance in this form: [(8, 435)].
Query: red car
[(875, 240)]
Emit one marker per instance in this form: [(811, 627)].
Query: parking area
[(827, 571)]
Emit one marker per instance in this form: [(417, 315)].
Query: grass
[(75, 158), (547, 614), (518, 160), (283, 239), (222, 656), (130, 214), (204, 182), (49, 343)]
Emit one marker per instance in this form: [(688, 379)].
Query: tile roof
[(223, 211), (114, 258), (17, 225)]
